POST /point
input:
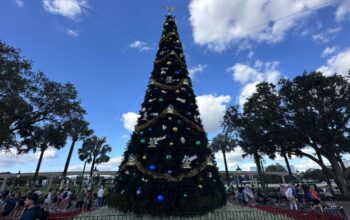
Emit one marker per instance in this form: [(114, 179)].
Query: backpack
[(41, 214)]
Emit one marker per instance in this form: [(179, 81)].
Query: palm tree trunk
[(82, 176), (226, 169), (92, 167), (64, 174), (38, 166), (287, 164)]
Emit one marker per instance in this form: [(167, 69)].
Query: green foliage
[(29, 100), (314, 174), (94, 150), (222, 143)]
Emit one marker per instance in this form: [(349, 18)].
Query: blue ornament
[(138, 191), (152, 167), (160, 198), (177, 72), (149, 129)]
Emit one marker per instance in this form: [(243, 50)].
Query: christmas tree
[(167, 166)]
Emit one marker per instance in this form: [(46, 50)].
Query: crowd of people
[(34, 204), (291, 196)]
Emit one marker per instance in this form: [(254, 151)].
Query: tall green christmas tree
[(167, 166)]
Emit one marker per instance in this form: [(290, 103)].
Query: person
[(291, 196), (80, 198), (32, 211), (100, 194), (329, 197), (10, 204), (315, 198), (48, 198)]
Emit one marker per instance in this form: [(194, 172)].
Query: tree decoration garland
[(167, 176), (168, 110), (168, 87), (168, 55)]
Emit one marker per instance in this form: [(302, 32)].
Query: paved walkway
[(346, 207)]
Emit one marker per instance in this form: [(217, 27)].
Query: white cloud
[(67, 8), (130, 120), (234, 159), (11, 158), (196, 69), (327, 35), (212, 109), (111, 165), (141, 46), (337, 64), (126, 136), (19, 3), (250, 76), (218, 24), (305, 165), (342, 11), (329, 51), (71, 33)]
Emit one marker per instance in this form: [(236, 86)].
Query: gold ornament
[(131, 161), (171, 143), (144, 157), (200, 186), (175, 129)]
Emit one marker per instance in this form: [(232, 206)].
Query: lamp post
[(299, 176), (238, 170)]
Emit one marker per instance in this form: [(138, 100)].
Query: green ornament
[(168, 157), (141, 132), (143, 141), (198, 143), (161, 100), (185, 195)]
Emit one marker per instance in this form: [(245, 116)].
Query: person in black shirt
[(30, 211)]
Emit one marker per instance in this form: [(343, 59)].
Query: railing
[(267, 213), (222, 215)]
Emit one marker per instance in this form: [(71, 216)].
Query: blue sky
[(107, 49)]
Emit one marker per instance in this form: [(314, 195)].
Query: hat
[(34, 197)]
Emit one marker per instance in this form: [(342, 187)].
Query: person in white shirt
[(290, 195), (48, 198), (100, 194)]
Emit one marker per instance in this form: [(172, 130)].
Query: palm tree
[(224, 143), (94, 150), (50, 135), (77, 129)]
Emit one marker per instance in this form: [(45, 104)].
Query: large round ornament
[(160, 198), (152, 167)]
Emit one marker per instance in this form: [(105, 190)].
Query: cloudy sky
[(107, 49)]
